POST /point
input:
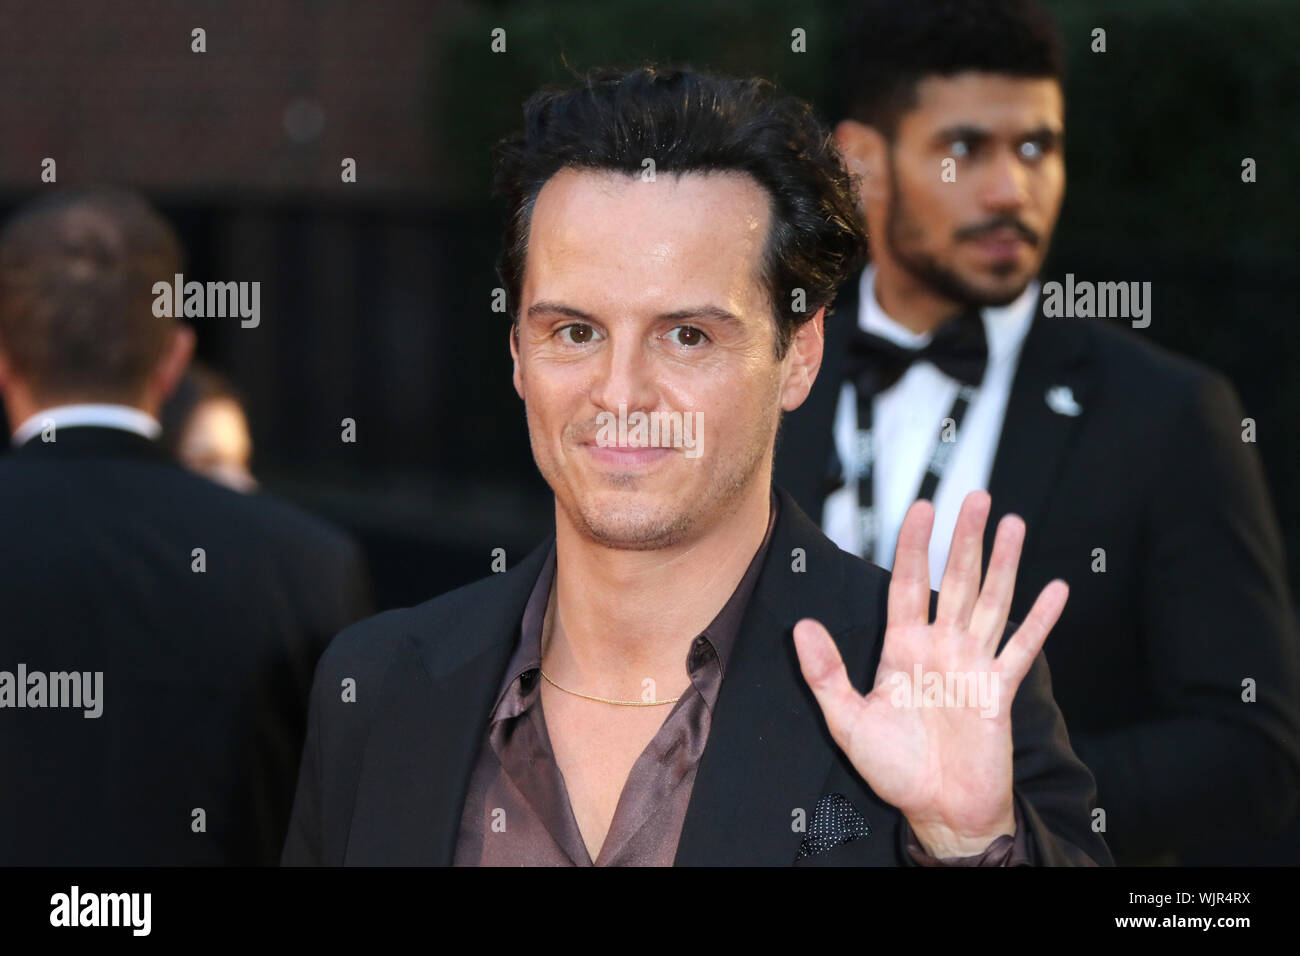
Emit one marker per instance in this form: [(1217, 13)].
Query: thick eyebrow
[(677, 315), (974, 134), (1048, 134), (717, 313), (557, 308)]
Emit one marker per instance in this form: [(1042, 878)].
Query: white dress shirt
[(104, 415), (906, 422)]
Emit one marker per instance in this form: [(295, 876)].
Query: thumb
[(823, 669)]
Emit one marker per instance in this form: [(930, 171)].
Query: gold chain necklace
[(606, 700)]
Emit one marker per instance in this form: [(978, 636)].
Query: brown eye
[(578, 334), (689, 336)]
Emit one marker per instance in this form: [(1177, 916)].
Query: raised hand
[(933, 736)]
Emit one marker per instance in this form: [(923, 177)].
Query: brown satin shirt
[(517, 810)]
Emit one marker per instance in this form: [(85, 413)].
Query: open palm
[(933, 735)]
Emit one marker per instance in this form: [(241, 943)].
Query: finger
[(823, 669), (989, 619), (961, 575), (909, 584), (1018, 656)]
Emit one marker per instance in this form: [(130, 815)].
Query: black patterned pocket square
[(835, 821)]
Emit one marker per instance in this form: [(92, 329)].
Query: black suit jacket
[(1149, 656), (384, 778), (205, 675)]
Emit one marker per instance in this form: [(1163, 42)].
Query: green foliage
[(480, 93), (1157, 126)]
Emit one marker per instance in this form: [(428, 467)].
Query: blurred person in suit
[(160, 630), (1175, 663), (205, 427)]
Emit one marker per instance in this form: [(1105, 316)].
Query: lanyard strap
[(940, 457)]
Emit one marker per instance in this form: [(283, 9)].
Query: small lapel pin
[(1060, 399)]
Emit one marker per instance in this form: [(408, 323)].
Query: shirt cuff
[(1006, 850)]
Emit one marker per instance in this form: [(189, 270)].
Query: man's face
[(981, 238), (648, 296)]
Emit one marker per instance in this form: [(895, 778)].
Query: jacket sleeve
[(1219, 637), (1056, 791), (341, 709), (303, 842)]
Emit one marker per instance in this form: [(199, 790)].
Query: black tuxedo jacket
[(205, 674), (384, 778), (1149, 657)]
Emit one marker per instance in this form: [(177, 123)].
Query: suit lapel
[(1053, 377), (769, 752), (425, 742)]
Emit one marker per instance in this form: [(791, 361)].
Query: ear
[(864, 151), (803, 361), (514, 357), (175, 361)]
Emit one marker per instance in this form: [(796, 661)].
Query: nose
[(1006, 185), (623, 375)]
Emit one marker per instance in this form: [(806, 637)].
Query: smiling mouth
[(625, 457)]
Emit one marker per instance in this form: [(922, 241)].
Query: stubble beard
[(650, 529), (929, 271)]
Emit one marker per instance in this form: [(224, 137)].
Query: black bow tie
[(958, 349)]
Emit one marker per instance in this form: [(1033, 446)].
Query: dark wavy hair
[(891, 46), (689, 121)]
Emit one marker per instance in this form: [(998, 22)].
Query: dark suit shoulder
[(276, 517), (1131, 360), (447, 630), (156, 487), (866, 585), (324, 562), (153, 517), (364, 652)]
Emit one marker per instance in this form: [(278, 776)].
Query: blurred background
[(376, 295)]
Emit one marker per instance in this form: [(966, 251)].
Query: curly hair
[(890, 47), (688, 121)]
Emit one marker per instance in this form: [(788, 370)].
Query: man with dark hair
[(1175, 663), (658, 682), (159, 630)]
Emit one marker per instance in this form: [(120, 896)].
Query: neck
[(908, 301), (620, 616)]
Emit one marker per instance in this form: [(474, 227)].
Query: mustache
[(589, 431), (580, 433), (993, 225)]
